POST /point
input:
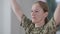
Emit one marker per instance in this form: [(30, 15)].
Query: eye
[(31, 11), (36, 11)]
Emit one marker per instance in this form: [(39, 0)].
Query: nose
[(33, 13)]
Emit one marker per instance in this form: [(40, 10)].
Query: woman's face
[(37, 13)]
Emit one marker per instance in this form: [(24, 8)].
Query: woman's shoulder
[(50, 27), (52, 22)]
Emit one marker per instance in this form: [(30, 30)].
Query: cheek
[(39, 15), (38, 18)]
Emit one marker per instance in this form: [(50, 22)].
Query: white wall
[(1, 17), (5, 17)]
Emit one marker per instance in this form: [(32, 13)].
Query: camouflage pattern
[(49, 28)]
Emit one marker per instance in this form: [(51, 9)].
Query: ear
[(45, 14)]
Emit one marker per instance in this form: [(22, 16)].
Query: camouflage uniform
[(49, 28)]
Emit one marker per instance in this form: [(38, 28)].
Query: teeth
[(33, 16)]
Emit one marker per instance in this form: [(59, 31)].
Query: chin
[(34, 21)]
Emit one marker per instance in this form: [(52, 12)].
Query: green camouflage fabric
[(49, 28)]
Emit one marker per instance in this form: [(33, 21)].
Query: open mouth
[(33, 17)]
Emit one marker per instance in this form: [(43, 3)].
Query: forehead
[(36, 6)]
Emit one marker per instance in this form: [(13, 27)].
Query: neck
[(40, 23)]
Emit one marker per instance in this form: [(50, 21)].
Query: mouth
[(33, 17)]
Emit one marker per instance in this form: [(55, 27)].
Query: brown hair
[(45, 7)]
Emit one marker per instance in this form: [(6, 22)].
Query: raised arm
[(24, 21), (57, 15), (16, 9)]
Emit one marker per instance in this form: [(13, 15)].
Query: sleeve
[(52, 26), (25, 22)]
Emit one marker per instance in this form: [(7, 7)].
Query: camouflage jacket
[(49, 28)]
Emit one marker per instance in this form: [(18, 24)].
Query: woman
[(39, 23)]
